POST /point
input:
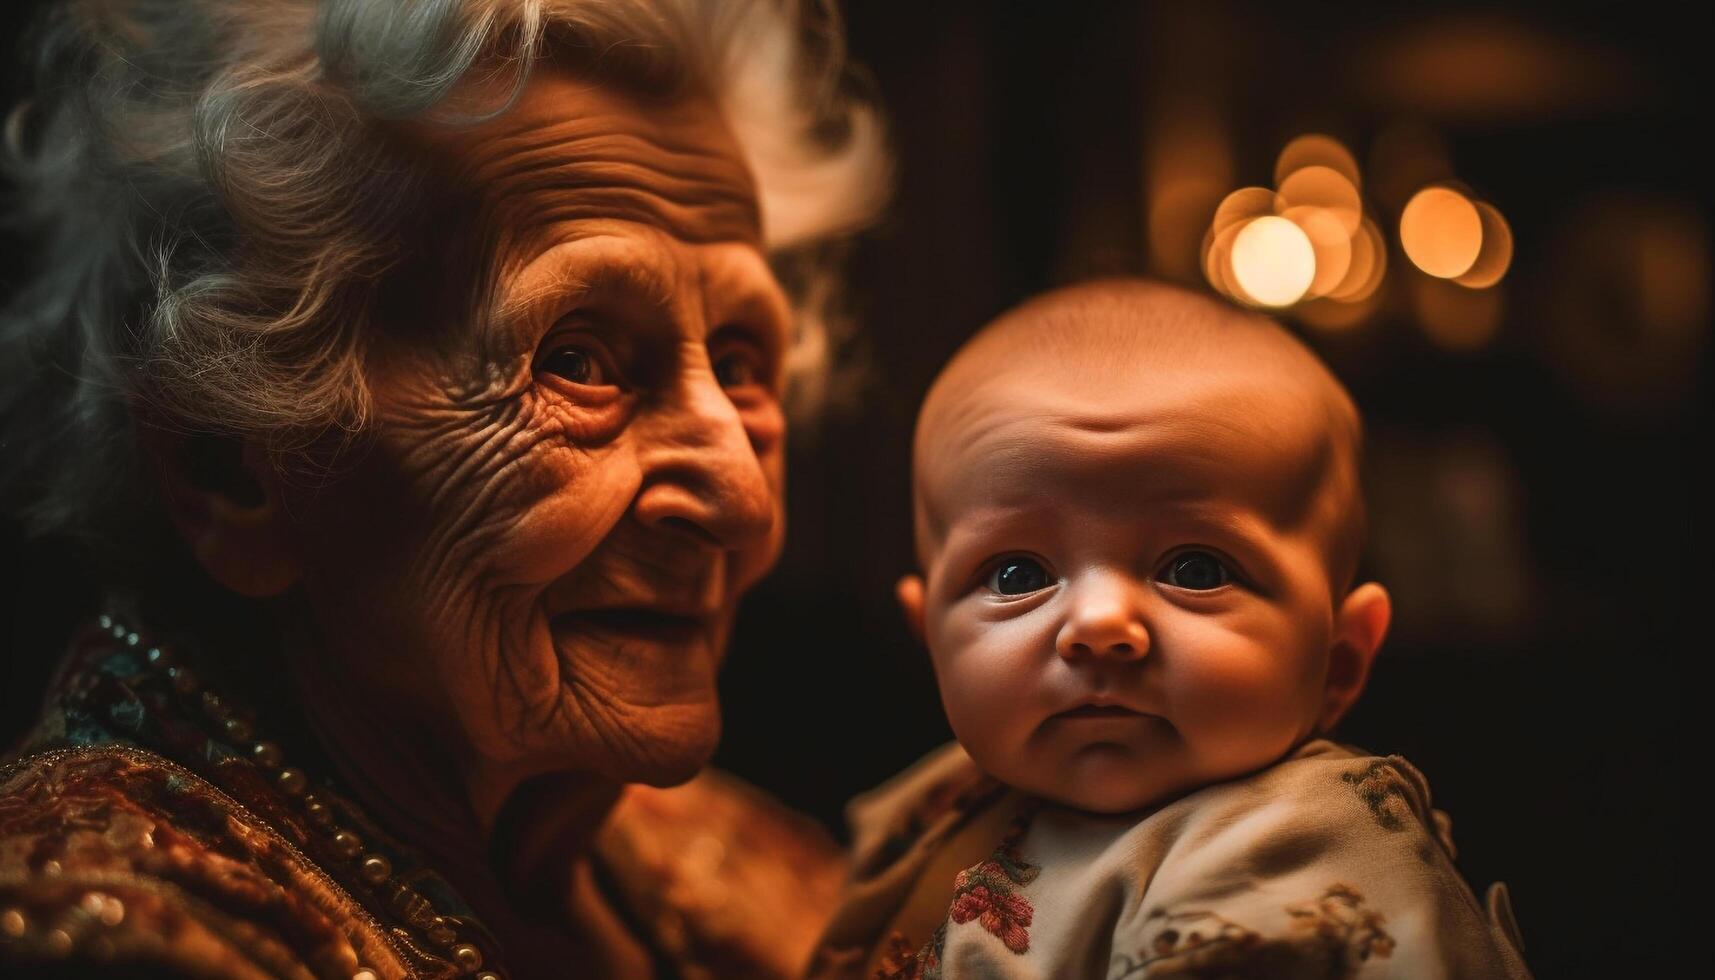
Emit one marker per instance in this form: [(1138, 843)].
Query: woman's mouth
[(635, 622)]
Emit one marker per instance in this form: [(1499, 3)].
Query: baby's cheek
[(990, 677)]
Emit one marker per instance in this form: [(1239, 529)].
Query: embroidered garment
[(1328, 864), (134, 844)]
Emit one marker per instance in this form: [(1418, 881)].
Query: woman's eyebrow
[(589, 273)]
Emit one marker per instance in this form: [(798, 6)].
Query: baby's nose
[(1104, 622)]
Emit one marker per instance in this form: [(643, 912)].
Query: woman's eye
[(575, 364), (736, 369), (1017, 576), (1196, 570)]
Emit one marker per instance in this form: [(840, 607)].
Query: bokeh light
[(1273, 261), (1315, 150), (1323, 188), (1496, 254), (1241, 206), (1331, 242), (1441, 232), (1366, 268)]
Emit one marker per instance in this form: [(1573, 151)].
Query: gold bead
[(319, 813), (442, 932), (364, 973), (13, 923), (212, 706), (468, 957), (374, 870), (237, 730), (291, 781), (347, 844), (266, 754), (488, 975)]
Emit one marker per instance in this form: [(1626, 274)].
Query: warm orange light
[(1331, 242), (1218, 265), (1316, 150), (1497, 251), (1367, 267), (1324, 188), (1241, 206), (1273, 261), (1441, 232)]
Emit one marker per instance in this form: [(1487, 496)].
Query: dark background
[(1537, 498)]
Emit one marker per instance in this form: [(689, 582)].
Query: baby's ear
[(1359, 627), (910, 593)]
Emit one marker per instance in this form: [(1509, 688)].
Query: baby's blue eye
[(1018, 576), (1196, 570)]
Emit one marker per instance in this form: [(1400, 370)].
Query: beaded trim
[(371, 869)]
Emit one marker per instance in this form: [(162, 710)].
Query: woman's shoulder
[(114, 857)]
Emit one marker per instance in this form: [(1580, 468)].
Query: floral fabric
[(1329, 864)]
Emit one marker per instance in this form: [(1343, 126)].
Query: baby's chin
[(1106, 778)]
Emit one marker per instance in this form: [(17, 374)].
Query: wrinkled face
[(1127, 600), (539, 549)]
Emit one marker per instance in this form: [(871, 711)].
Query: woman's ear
[(910, 593), (223, 496), (1360, 624)]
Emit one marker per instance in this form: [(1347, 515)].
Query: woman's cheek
[(560, 503)]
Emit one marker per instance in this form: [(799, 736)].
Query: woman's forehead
[(570, 151)]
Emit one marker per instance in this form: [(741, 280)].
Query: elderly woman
[(414, 372)]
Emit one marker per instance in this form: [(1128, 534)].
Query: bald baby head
[(1190, 392)]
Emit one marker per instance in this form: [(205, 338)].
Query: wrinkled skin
[(1114, 678), (532, 563)]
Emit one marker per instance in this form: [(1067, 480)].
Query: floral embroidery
[(1379, 787), (987, 892), (1331, 936), (1339, 920)]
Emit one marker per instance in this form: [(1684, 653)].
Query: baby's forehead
[(1154, 389)]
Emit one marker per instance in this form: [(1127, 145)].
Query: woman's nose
[(1104, 622), (702, 474)]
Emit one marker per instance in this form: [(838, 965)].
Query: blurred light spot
[(1316, 150), (1330, 241), (1441, 232), (1241, 206), (1218, 262), (1496, 254), (1273, 261), (1324, 188), (1456, 318), (1367, 266)]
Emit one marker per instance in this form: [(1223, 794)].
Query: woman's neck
[(516, 846)]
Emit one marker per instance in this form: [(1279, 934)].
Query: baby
[(1138, 522)]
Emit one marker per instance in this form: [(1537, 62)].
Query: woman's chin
[(673, 743)]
